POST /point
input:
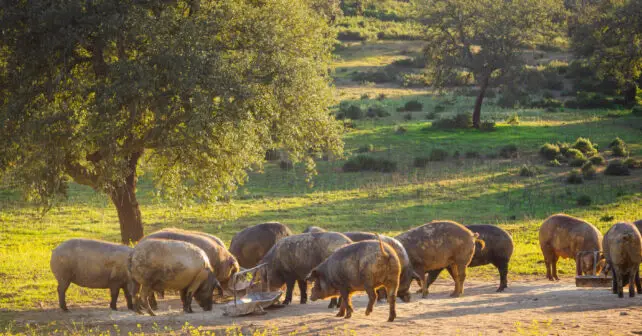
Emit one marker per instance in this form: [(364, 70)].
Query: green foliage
[(588, 170), (377, 111), (412, 106), (549, 151), (368, 163), (487, 126), (509, 151), (512, 97), (564, 147), (584, 200), (528, 171), (369, 148), (415, 80), (633, 163), (637, 110), (574, 154), (617, 168), (459, 121), (350, 111), (554, 163), (585, 146), (577, 162), (597, 160), (575, 177), (407, 117), (385, 75), (199, 93), (438, 154), (513, 119), (589, 100), (286, 165), (619, 148), (421, 162)]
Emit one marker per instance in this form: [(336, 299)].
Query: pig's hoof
[(348, 315), (392, 318), (340, 314), (455, 295), (368, 311), (500, 289)]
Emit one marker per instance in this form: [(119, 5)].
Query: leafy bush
[(633, 163), (637, 110), (412, 62), (618, 147), (554, 163), (487, 126), (438, 154), (461, 120), (416, 80), (384, 75), (508, 151), (575, 177), (377, 111), (549, 151), (350, 111), (366, 149), (577, 162), (574, 154), (412, 106), (617, 168), (588, 170), (564, 147), (367, 163), (584, 200), (589, 100), (585, 146), (528, 171), (597, 160)]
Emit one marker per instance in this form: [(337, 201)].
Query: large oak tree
[(197, 91), (485, 37)]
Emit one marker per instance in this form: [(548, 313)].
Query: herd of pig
[(197, 264)]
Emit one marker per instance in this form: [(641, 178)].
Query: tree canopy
[(485, 37), (194, 92), (609, 35)]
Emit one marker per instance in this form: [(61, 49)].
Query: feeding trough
[(593, 280), (253, 301)]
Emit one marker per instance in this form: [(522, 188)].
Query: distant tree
[(609, 35), (194, 92), (485, 37)]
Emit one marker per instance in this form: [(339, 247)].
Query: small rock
[(623, 313)]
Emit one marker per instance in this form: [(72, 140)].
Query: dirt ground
[(528, 307)]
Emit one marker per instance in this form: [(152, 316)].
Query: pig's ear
[(312, 276)]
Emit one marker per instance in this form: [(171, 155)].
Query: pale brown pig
[(623, 253), (250, 245)]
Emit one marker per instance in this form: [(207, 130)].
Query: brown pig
[(292, 258), (160, 264), (366, 265), (623, 253), (222, 261), (93, 264), (438, 245), (565, 236), (250, 245)]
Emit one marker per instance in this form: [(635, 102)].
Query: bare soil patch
[(534, 307)]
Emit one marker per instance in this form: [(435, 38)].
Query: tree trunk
[(124, 198), (479, 101), (630, 94)]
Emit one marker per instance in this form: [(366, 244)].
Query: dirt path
[(527, 307)]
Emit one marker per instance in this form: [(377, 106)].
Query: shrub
[(527, 171), (381, 96), (367, 163), (407, 116), (574, 177), (564, 147), (487, 126), (597, 160), (584, 200), (431, 115), (585, 146), (588, 170), (354, 112), (553, 163), (637, 110), (574, 154), (438, 154), (384, 75), (549, 151), (578, 162), (513, 119), (439, 108), (413, 105), (377, 111), (286, 165), (415, 80), (421, 162), (508, 151), (272, 155), (366, 149), (461, 120), (617, 168), (618, 147), (633, 163), (586, 100), (547, 103)]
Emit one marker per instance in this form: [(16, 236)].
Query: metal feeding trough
[(251, 302), (593, 280)]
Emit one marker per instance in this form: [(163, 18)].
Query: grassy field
[(486, 189)]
